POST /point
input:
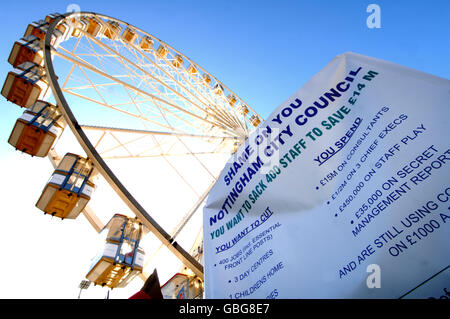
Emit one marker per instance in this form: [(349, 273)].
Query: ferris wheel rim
[(97, 160)]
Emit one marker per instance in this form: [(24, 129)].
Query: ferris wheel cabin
[(37, 129), (69, 189), (182, 286), (206, 79), (162, 51), (178, 61), (243, 109), (94, 26), (129, 36), (231, 99), (78, 26), (255, 120), (146, 43), (26, 49), (122, 259), (25, 84), (192, 69), (39, 29), (218, 89), (112, 30)]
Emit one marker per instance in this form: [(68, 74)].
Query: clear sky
[(262, 50)]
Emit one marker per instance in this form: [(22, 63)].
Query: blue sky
[(265, 50), (262, 50)]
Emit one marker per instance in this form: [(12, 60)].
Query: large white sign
[(343, 192)]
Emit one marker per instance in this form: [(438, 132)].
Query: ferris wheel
[(130, 100)]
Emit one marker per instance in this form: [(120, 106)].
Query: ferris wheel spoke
[(72, 68), (158, 105), (193, 210), (93, 86), (126, 62), (122, 145), (161, 109), (100, 139), (162, 155), (73, 65), (155, 148), (164, 112), (90, 86), (184, 84), (118, 109), (174, 168), (182, 223), (197, 159), (147, 132), (84, 64), (176, 138), (200, 88), (96, 54), (218, 108), (115, 107), (103, 152)]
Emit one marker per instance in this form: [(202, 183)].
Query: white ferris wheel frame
[(231, 127)]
